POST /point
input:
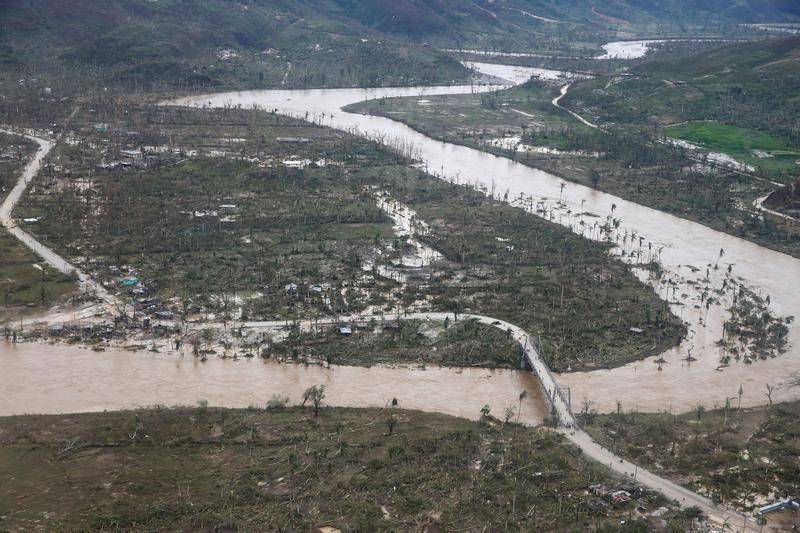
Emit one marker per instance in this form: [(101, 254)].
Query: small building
[(291, 288), (345, 331), (165, 315)]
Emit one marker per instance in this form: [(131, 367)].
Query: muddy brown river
[(38, 378), (688, 251), (44, 378)]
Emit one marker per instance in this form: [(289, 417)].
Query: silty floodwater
[(43, 378), (52, 378), (686, 251)]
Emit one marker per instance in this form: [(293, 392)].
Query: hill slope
[(180, 43), (752, 86), (328, 42)]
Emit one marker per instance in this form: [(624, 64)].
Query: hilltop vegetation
[(169, 44), (176, 44), (752, 86)]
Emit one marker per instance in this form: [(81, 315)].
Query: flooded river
[(638, 49), (39, 378), (687, 250), (60, 379)]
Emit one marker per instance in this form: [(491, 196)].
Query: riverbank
[(342, 469), (745, 457), (529, 125)]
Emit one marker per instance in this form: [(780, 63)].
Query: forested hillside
[(304, 43), (219, 43)]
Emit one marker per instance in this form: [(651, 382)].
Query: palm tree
[(699, 410), (522, 396)]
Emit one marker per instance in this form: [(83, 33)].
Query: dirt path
[(48, 255), (556, 103), (759, 205)]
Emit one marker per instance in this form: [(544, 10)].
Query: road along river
[(687, 252)]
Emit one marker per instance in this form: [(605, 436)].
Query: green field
[(742, 144)]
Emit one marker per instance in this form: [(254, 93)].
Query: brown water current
[(44, 378), (687, 253), (41, 378)]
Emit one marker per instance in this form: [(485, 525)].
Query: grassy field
[(345, 469), (748, 457), (742, 144)]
